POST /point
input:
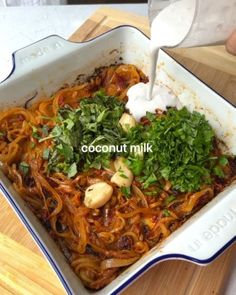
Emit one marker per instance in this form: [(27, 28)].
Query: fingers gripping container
[(212, 21)]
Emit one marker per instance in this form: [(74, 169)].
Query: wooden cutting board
[(24, 270)]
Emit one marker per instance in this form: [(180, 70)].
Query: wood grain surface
[(24, 270)]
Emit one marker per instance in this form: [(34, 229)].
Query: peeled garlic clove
[(127, 121), (97, 195), (123, 178), (119, 163), (123, 175)]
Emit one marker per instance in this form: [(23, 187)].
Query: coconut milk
[(168, 29)]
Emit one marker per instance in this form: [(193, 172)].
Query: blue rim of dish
[(153, 261)]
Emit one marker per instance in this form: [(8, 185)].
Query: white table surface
[(20, 26)]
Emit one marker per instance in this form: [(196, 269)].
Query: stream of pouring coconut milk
[(168, 29)]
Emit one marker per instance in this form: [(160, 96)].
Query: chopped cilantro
[(169, 199), (123, 175), (218, 171), (56, 132), (46, 154), (182, 143), (126, 191), (150, 180), (72, 170), (69, 123), (35, 132), (24, 168), (95, 122), (223, 160), (153, 192), (166, 213), (136, 164), (45, 130), (102, 116)]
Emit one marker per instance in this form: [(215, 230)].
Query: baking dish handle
[(41, 53), (209, 232)]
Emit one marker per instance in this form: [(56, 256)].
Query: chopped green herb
[(150, 180), (72, 170), (66, 151), (166, 213), (123, 175), (154, 192), (150, 116), (135, 163), (223, 160), (102, 116), (45, 130), (35, 132), (218, 171), (69, 123), (182, 143), (24, 168), (95, 122), (56, 132), (169, 199), (1, 134), (46, 154), (126, 191)]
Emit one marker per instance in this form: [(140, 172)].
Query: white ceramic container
[(44, 66)]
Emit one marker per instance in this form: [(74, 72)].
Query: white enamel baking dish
[(45, 65)]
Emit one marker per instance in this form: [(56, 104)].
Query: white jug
[(210, 22)]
